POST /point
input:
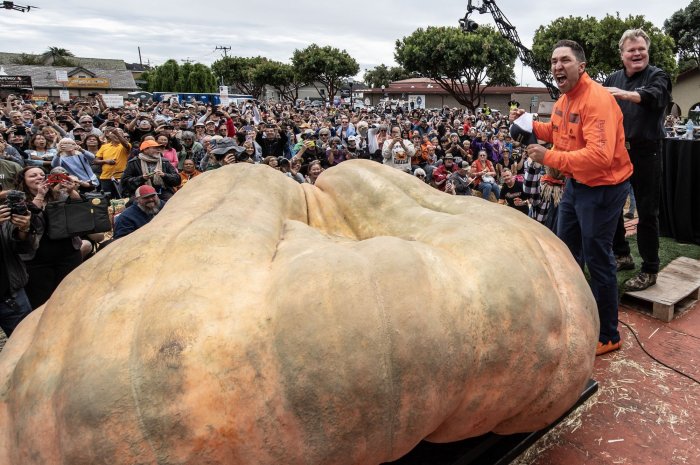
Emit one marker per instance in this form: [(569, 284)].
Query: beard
[(149, 209)]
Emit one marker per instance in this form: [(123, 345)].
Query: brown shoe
[(640, 282), (609, 347), (624, 262)]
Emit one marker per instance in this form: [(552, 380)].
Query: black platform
[(489, 449)]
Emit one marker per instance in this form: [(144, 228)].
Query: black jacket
[(13, 251), (132, 179)]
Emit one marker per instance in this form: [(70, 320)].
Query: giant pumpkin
[(259, 321)]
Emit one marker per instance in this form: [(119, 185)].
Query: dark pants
[(587, 218), (646, 183), (13, 308), (44, 278), (110, 188)]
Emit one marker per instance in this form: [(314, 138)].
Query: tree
[(201, 79), (239, 72), (327, 65), (56, 56), (164, 78), (282, 77), (462, 64), (684, 27), (599, 39), (382, 75)]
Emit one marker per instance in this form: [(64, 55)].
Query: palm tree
[(57, 56)]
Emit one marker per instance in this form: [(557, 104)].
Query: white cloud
[(190, 30)]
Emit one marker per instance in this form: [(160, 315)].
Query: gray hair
[(631, 34)]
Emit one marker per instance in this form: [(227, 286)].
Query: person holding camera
[(149, 168), (18, 231), (226, 152), (54, 259), (76, 161), (397, 152), (272, 140), (336, 153)]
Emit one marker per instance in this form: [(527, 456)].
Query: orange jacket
[(589, 140)]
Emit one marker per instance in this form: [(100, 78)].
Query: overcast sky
[(190, 30)]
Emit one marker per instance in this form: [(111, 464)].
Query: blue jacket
[(132, 219)]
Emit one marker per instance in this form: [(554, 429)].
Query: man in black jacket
[(643, 93), (149, 168)]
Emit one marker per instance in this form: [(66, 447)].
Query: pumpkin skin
[(259, 321)]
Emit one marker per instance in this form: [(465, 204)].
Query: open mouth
[(560, 79)]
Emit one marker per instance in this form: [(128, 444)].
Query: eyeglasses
[(420, 175)]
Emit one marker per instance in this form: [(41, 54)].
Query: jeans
[(13, 308), (633, 202), (646, 183), (586, 224), (486, 187)]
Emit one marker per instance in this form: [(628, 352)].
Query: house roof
[(45, 76), (687, 74), (429, 86), (90, 63)]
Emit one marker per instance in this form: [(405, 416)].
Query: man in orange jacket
[(586, 129)]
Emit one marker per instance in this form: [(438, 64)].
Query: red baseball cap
[(145, 191)]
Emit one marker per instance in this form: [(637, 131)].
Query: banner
[(113, 100), (91, 83), (416, 102), (64, 95), (61, 76), (15, 82)]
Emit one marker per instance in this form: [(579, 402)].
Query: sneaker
[(629, 215), (640, 282), (609, 347), (624, 262)]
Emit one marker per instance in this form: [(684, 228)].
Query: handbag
[(78, 217), (487, 178)]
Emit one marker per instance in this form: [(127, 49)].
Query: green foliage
[(382, 75), (202, 79), (282, 77), (56, 56), (462, 64), (171, 77), (327, 65), (684, 27), (25, 59), (164, 78), (239, 72), (599, 39)]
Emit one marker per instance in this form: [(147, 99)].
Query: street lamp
[(351, 84)]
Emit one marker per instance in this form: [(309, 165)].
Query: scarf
[(552, 189), (158, 161)]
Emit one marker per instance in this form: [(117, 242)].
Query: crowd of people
[(146, 151)]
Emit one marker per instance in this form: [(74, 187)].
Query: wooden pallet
[(677, 281)]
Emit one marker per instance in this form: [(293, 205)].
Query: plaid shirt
[(531, 187)]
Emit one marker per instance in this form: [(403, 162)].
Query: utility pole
[(224, 48), (140, 60)]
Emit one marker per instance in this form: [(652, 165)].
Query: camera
[(57, 178), (16, 200), (243, 156), (92, 94), (21, 131)]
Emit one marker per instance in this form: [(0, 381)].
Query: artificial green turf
[(669, 250)]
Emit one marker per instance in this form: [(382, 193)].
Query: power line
[(224, 48)]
